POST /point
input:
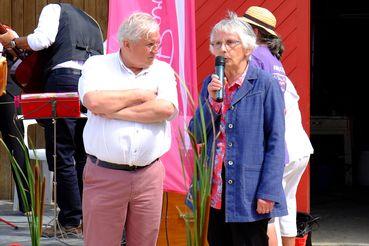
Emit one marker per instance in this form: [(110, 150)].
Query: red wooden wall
[(293, 25)]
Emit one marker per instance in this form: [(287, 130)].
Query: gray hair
[(137, 26), (233, 25)]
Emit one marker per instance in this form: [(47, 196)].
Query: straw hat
[(261, 17)]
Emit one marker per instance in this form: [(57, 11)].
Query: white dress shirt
[(297, 141), (45, 33), (119, 141)]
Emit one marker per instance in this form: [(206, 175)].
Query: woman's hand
[(264, 206), (215, 85)]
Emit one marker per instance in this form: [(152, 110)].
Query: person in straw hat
[(298, 147)]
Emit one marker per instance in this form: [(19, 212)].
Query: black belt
[(115, 166), (59, 71)]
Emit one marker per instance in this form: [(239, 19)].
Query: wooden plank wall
[(22, 16), (293, 25)]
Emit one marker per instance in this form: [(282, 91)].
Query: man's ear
[(126, 44)]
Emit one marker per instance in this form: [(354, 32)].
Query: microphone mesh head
[(219, 61)]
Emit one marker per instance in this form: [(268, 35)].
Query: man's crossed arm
[(131, 105)]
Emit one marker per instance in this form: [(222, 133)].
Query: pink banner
[(177, 27)]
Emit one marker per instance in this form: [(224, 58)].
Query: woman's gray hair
[(137, 26), (233, 25)]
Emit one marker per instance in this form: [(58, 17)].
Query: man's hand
[(264, 206), (148, 95), (215, 85), (6, 38)]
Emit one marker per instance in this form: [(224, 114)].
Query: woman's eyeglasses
[(229, 44)]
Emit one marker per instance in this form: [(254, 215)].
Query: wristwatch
[(12, 43)]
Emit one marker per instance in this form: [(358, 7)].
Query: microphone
[(219, 70)]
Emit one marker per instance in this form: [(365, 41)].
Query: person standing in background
[(267, 56), (11, 128), (66, 37)]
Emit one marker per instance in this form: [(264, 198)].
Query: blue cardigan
[(254, 160)]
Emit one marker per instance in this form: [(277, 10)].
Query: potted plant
[(198, 198), (35, 180)]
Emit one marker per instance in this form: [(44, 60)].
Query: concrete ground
[(20, 236), (344, 218), (344, 221)]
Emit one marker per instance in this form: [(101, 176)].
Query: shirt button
[(230, 144), (230, 181), (230, 163), (230, 126)]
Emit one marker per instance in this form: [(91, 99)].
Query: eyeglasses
[(229, 44), (153, 46)]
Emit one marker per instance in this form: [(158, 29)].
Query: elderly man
[(130, 97)]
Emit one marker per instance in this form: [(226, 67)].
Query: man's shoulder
[(161, 65), (52, 7)]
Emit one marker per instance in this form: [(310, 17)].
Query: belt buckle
[(134, 168)]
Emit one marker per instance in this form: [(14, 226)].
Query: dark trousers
[(12, 130), (221, 233), (70, 153)]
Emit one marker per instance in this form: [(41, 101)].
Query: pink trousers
[(114, 199)]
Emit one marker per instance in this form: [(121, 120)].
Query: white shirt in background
[(297, 141), (45, 33)]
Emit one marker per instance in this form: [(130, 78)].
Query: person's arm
[(163, 107), (109, 103), (43, 36), (152, 111), (274, 153), (22, 43), (47, 29)]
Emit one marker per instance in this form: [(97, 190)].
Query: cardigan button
[(230, 144), (232, 107), (230, 126), (230, 163), (230, 181)]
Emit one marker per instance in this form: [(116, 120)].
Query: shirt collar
[(124, 67), (238, 82)]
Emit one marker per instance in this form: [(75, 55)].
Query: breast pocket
[(145, 83)]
